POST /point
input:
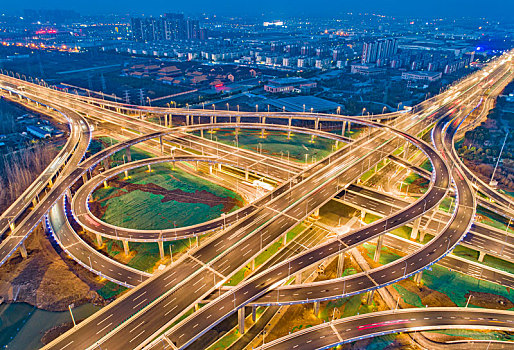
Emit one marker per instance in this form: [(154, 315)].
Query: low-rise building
[(289, 85), (422, 76)]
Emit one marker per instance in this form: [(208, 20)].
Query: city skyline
[(500, 9)]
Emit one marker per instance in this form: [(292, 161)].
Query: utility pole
[(498, 160)]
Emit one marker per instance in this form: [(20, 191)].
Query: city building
[(285, 85), (422, 76)]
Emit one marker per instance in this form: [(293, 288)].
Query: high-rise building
[(175, 26), (147, 29), (171, 26), (379, 50), (192, 29)]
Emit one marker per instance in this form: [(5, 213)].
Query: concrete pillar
[(162, 145), (254, 313), (349, 126), (84, 177), (289, 130), (418, 276), (50, 182), (23, 251), (197, 241), (316, 308), (210, 168), (241, 319), (201, 132), (316, 124), (263, 121), (149, 168), (316, 213), (99, 240), (415, 228), (370, 297), (340, 264), (129, 155), (406, 150), (363, 214), (126, 174), (34, 201), (161, 249), (219, 166), (166, 120), (284, 239), (481, 256), (421, 235), (197, 306), (105, 184), (380, 241), (298, 278), (106, 163), (246, 174), (252, 266), (126, 247)]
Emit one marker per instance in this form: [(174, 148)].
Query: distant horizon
[(499, 9)]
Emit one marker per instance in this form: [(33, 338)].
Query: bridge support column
[(284, 239), (129, 155), (149, 168), (316, 124), (166, 120), (246, 174), (289, 130), (161, 249), (105, 184), (162, 144), (210, 169), (23, 251), (340, 264), (481, 256), (415, 228), (263, 121), (201, 133), (316, 308), (316, 214), (421, 236), (298, 278), (380, 241), (406, 150), (370, 297), (197, 306), (252, 265), (349, 126), (254, 313), (99, 240), (363, 214), (34, 201), (126, 247), (84, 177), (197, 241), (106, 163), (241, 319), (126, 174), (343, 129), (417, 277)]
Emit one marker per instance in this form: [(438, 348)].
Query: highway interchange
[(141, 317)]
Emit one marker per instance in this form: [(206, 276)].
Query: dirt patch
[(489, 301), (46, 279)]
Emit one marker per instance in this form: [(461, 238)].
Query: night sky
[(418, 8)]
